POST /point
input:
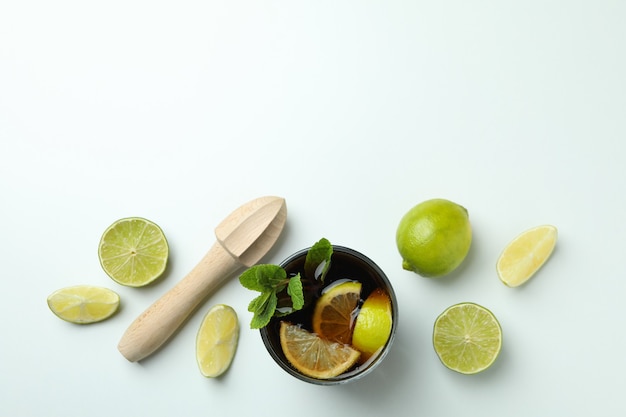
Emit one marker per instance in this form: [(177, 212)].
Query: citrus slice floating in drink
[(83, 304), (373, 324), (467, 338), (333, 317), (313, 356), (133, 251), (217, 340), (525, 254)]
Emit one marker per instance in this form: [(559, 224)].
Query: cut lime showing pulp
[(133, 251), (83, 304), (526, 254), (216, 341), (467, 338)]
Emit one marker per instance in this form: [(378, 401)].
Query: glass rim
[(346, 377)]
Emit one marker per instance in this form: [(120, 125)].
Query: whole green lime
[(434, 237)]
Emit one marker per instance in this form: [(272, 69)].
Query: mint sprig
[(271, 280), (317, 260)]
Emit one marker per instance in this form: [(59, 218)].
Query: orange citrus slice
[(333, 317), (313, 356)]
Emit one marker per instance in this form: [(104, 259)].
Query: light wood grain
[(243, 238)]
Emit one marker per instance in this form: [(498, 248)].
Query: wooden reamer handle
[(159, 321)]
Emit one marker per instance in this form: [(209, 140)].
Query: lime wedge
[(526, 254), (133, 251), (83, 304), (216, 341), (467, 338)]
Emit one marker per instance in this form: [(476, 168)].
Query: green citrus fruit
[(83, 304), (133, 251), (467, 338), (526, 254), (217, 340), (434, 237)]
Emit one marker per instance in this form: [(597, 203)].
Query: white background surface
[(354, 111)]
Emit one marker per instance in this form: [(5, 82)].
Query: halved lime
[(467, 338), (133, 251), (83, 304), (216, 341)]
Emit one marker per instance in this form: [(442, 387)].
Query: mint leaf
[(272, 277), (294, 289), (250, 280), (272, 282), (262, 277), (264, 312), (259, 302), (318, 257), (268, 280)]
